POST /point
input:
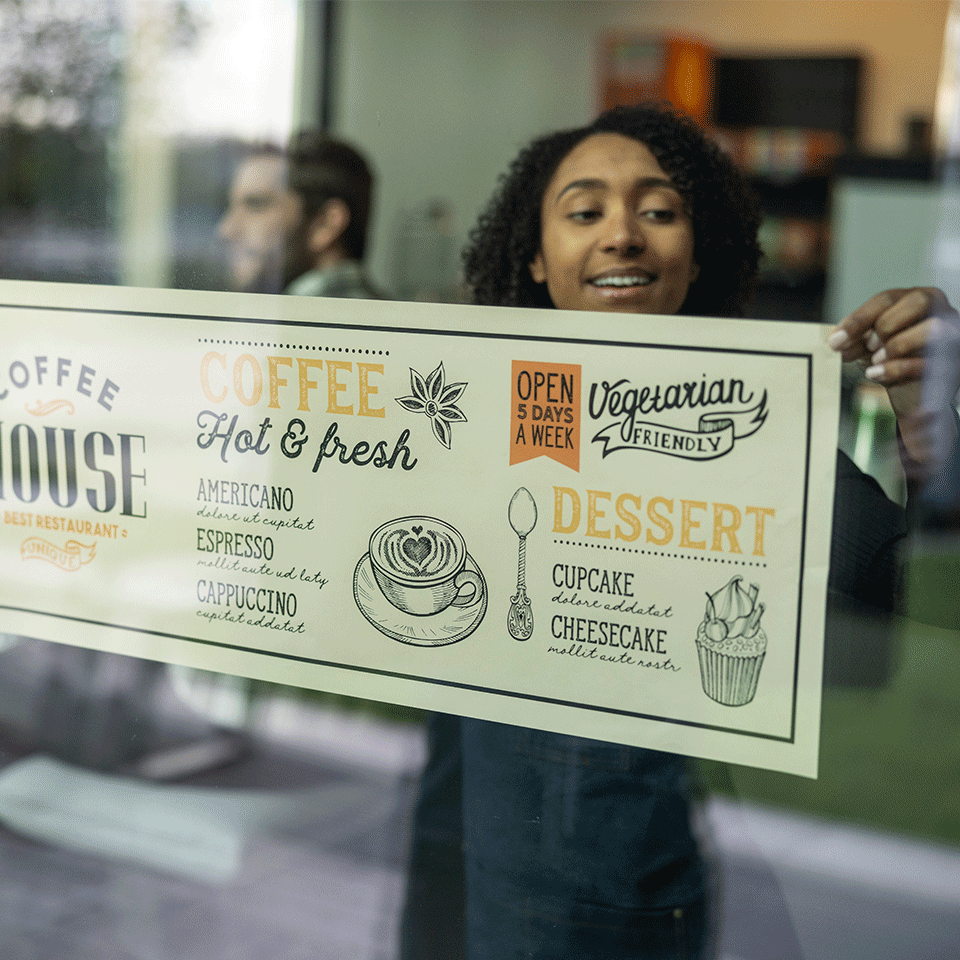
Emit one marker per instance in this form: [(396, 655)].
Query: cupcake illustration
[(731, 644)]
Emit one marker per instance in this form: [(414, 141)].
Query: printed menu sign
[(609, 526)]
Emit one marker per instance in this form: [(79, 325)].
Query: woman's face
[(615, 234)]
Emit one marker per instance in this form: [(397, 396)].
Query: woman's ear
[(327, 226), (537, 270)]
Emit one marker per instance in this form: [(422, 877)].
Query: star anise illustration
[(439, 402)]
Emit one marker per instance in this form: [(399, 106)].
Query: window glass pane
[(153, 810)]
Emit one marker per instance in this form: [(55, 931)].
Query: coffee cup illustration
[(420, 566)]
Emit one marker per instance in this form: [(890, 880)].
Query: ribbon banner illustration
[(70, 557), (714, 437), (617, 528)]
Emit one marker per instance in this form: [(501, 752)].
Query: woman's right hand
[(909, 341)]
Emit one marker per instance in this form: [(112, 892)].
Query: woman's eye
[(583, 216), (659, 215)]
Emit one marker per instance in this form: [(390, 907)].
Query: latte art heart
[(418, 550), (422, 551)]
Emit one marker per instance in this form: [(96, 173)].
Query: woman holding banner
[(534, 844)]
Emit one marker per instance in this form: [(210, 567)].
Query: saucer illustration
[(437, 630)]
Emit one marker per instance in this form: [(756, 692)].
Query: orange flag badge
[(545, 412)]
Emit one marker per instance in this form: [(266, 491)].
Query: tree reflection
[(60, 63), (63, 69)]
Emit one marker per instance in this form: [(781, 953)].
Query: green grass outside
[(889, 758)]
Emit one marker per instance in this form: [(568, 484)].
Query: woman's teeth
[(621, 281)]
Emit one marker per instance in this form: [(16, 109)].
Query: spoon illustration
[(522, 514)]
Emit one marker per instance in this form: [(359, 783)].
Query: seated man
[(297, 220)]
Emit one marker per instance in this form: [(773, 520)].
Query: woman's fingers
[(893, 372), (910, 310), (849, 335), (909, 341), (893, 324)]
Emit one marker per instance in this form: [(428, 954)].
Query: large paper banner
[(609, 526)]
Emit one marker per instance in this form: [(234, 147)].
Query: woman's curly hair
[(725, 215)]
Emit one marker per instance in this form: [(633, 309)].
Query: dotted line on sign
[(294, 346), (658, 553)]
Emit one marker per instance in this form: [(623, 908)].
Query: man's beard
[(282, 266)]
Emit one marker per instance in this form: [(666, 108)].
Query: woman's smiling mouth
[(624, 280)]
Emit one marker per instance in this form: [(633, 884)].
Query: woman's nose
[(624, 233)]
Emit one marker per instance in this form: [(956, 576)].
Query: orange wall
[(901, 39)]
